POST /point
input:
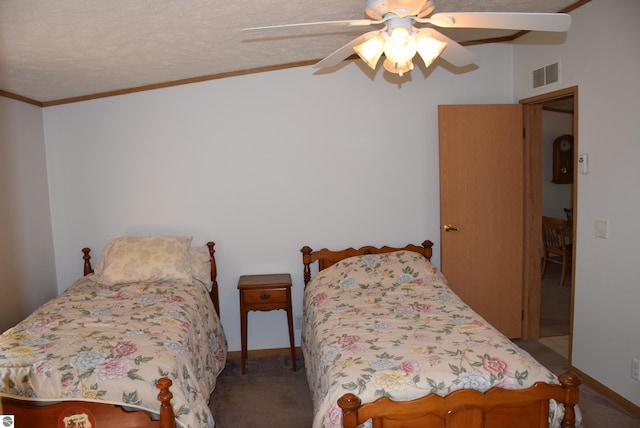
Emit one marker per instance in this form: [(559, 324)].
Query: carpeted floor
[(270, 395)]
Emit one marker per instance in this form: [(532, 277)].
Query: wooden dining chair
[(557, 245)]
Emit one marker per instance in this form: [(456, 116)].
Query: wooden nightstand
[(265, 293)]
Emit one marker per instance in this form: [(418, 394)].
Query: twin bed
[(105, 352), (385, 341)]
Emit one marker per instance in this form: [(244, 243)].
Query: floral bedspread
[(111, 344), (389, 325)]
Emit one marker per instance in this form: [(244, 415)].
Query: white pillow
[(200, 261), (135, 259)]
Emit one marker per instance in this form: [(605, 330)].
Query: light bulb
[(400, 47), (400, 35)]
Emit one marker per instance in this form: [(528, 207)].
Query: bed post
[(167, 417), (428, 249), (87, 263), (306, 260), (570, 383), (214, 278), (349, 403)]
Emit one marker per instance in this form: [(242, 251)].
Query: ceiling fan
[(408, 28)]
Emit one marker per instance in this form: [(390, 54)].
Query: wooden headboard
[(326, 258), (213, 294)]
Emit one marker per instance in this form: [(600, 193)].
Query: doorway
[(535, 111)]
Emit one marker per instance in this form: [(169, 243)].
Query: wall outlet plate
[(602, 228)]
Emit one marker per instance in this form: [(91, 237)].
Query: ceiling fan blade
[(427, 9), (342, 53), (502, 20), (346, 23), (454, 53)]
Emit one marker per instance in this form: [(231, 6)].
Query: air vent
[(546, 75)]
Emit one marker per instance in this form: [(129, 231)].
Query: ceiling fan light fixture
[(371, 50), (404, 36), (428, 47)]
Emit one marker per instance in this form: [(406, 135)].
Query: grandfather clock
[(563, 160)]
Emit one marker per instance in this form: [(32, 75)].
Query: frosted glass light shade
[(371, 50), (397, 67), (428, 47)]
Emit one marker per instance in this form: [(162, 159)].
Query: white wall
[(600, 56), (263, 164), (27, 269)]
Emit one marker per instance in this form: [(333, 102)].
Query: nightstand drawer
[(264, 296)]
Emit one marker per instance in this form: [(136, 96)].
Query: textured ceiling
[(53, 50)]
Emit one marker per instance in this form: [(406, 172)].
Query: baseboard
[(611, 395), (257, 353)]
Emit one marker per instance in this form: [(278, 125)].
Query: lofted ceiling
[(54, 51)]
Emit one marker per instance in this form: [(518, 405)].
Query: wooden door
[(481, 194)]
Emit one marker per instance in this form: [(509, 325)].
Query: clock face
[(565, 145)]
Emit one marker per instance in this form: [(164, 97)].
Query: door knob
[(450, 228)]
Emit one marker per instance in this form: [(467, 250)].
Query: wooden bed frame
[(101, 415), (326, 258), (496, 408)]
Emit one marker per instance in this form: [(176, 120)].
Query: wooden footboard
[(496, 408), (64, 414)]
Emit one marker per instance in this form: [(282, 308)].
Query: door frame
[(532, 121)]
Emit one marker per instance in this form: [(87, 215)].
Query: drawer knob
[(265, 296)]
